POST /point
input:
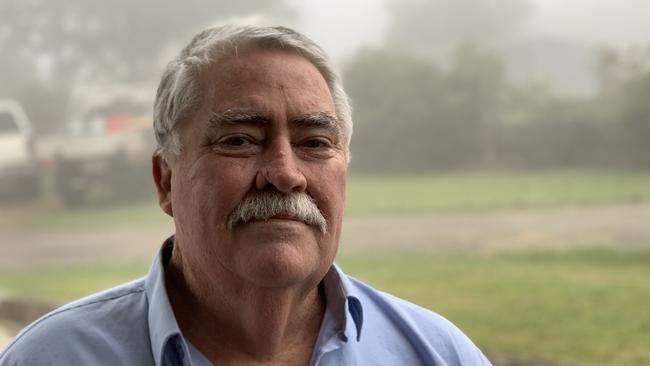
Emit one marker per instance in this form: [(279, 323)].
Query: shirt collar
[(341, 296), (162, 322), (343, 300)]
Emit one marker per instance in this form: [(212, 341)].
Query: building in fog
[(569, 68)]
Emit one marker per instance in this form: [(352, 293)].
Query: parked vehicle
[(19, 173), (105, 149)]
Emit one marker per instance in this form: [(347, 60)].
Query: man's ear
[(162, 176)]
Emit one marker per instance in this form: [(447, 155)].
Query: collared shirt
[(134, 324)]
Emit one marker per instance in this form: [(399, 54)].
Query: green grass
[(64, 285), (585, 307), (471, 192)]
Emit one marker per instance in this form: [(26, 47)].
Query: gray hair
[(179, 92)]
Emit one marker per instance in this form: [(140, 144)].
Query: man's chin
[(276, 274), (279, 264), (279, 252)]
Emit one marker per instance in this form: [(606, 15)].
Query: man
[(253, 129)]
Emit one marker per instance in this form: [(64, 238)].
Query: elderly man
[(253, 129)]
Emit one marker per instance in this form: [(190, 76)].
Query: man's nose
[(280, 169)]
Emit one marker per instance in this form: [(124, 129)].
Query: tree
[(394, 96), (624, 94), (478, 85), (410, 115), (635, 115)]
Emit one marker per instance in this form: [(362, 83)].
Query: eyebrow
[(317, 120), (233, 117)]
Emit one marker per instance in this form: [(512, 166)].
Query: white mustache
[(263, 205)]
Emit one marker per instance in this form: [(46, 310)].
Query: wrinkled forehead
[(257, 79), (258, 66)]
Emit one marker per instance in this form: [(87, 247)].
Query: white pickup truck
[(19, 173), (105, 151)]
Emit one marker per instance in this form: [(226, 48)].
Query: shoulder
[(102, 323), (421, 328)]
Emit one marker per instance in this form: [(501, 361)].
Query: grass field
[(586, 307), (467, 192), (377, 195)]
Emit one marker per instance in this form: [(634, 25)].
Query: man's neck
[(247, 325)]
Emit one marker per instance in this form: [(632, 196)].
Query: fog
[(595, 22), (482, 128), (341, 26)]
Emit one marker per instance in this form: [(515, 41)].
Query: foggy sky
[(622, 23), (342, 25)]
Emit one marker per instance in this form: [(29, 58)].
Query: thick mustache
[(263, 205)]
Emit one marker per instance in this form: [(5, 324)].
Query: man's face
[(267, 123)]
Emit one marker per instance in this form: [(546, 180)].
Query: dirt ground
[(621, 226)]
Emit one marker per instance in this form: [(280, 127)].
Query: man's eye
[(234, 141), (235, 144), (316, 143)]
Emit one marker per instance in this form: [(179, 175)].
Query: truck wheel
[(73, 198), (70, 194), (31, 188)]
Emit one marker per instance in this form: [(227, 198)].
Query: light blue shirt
[(134, 324)]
